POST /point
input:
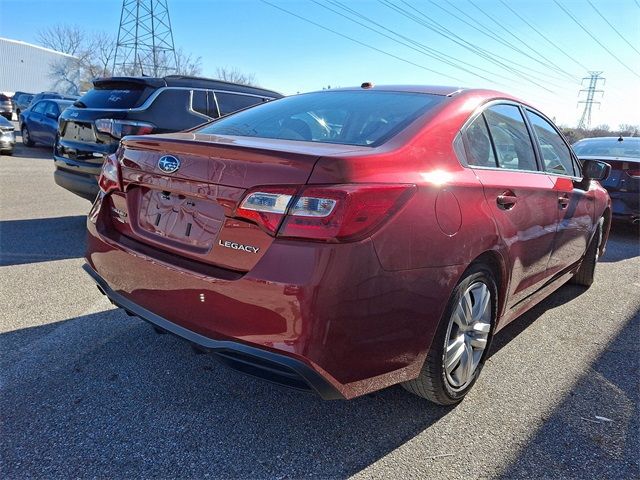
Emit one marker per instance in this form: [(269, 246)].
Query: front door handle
[(506, 200), (563, 201)]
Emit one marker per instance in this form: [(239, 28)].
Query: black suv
[(119, 106)]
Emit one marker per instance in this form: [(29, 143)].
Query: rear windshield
[(366, 118), (114, 96), (608, 147)]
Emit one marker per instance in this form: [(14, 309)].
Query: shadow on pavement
[(626, 240), (42, 239), (572, 440), (106, 397)]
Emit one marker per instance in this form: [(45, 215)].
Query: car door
[(50, 123), (575, 202), (521, 198), (35, 119)]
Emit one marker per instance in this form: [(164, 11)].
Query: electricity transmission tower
[(145, 40), (592, 90)]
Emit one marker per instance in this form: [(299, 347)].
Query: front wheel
[(461, 342), (26, 136), (587, 271)]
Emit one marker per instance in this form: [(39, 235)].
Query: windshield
[(366, 118), (608, 147)]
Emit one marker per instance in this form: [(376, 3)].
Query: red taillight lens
[(635, 173), (345, 212), (109, 180), (335, 213), (122, 128)]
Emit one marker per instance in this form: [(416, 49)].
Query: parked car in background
[(6, 108), (122, 106), (7, 136), (39, 122), (21, 102), (347, 240), (623, 183)]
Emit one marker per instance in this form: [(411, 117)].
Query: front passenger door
[(575, 203)]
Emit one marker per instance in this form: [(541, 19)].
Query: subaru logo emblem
[(168, 163)]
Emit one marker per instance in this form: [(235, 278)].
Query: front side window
[(365, 118), (231, 102), (39, 107), (511, 138), (52, 109), (556, 156), (478, 144)]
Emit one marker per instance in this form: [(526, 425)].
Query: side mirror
[(595, 169), (52, 116)]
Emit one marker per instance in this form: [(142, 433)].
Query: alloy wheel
[(467, 335)]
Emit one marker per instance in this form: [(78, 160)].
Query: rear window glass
[(123, 97), (609, 147), (365, 118)]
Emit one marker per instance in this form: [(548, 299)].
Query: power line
[(547, 63), (371, 47), (614, 28), (550, 42), (489, 56), (592, 36), (430, 52)]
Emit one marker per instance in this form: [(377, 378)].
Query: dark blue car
[(39, 122)]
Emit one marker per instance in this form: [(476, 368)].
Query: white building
[(29, 68)]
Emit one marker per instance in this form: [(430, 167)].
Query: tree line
[(94, 54)]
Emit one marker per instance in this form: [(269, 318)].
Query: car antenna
[(620, 139)]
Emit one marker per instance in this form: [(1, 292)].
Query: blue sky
[(291, 55)]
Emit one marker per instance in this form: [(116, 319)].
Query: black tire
[(26, 137), (586, 273), (432, 383)]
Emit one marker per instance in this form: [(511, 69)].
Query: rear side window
[(231, 102), (555, 153), (477, 144), (114, 96), (199, 101), (366, 118), (510, 138)]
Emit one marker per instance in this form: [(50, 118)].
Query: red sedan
[(347, 240)]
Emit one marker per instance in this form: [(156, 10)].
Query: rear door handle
[(506, 200), (563, 201)]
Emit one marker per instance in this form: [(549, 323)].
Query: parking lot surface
[(86, 391)]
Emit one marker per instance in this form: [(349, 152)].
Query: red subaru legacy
[(347, 240)]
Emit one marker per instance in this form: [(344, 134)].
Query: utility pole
[(592, 90), (145, 40)]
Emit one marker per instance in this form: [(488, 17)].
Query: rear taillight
[(122, 128), (109, 180), (328, 213), (635, 172)]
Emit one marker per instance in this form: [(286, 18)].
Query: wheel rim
[(467, 335)]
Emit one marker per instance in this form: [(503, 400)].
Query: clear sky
[(496, 48)]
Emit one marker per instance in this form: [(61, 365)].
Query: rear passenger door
[(575, 207), (500, 150)]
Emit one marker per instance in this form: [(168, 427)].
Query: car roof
[(429, 89), (190, 81), (610, 139)]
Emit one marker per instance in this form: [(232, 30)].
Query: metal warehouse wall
[(25, 67)]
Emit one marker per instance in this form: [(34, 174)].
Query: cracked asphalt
[(87, 392)]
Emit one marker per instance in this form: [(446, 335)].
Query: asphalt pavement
[(87, 392)]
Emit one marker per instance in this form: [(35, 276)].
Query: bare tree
[(63, 38), (236, 76)]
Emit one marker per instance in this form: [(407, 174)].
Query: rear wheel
[(460, 346), (26, 137), (586, 273)]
